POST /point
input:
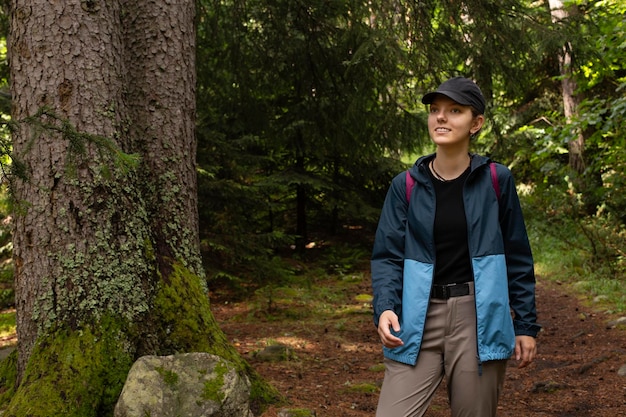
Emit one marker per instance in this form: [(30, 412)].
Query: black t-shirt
[(452, 262)]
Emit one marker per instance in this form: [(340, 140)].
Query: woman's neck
[(449, 165)]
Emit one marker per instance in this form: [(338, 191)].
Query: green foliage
[(7, 292), (586, 210), (318, 290), (598, 32), (581, 211), (586, 253), (297, 109), (565, 213), (110, 155), (343, 259), (7, 324), (307, 109)]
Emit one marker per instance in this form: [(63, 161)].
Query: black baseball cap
[(462, 90)]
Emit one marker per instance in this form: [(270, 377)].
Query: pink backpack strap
[(494, 179), (410, 182)]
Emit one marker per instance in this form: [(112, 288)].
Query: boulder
[(189, 385)]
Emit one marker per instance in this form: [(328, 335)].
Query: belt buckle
[(445, 292)]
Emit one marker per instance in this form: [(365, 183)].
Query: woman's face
[(451, 123)]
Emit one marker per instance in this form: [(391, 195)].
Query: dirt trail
[(335, 365)]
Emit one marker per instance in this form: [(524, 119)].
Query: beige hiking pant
[(449, 348)]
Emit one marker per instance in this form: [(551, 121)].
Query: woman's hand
[(525, 350), (389, 320)]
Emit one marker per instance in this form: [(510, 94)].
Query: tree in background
[(106, 247), (7, 292), (585, 197), (305, 112), (299, 105), (307, 109), (569, 87)]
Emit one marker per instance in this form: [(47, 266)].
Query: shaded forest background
[(307, 109)]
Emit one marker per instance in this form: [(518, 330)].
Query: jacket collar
[(423, 161)]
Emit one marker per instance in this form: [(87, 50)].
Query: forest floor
[(333, 361)]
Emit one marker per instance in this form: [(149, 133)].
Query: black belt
[(443, 292)]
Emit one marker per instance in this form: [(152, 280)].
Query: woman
[(451, 261)]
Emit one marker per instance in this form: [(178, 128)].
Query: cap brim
[(430, 97)]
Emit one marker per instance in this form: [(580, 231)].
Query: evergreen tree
[(106, 247)]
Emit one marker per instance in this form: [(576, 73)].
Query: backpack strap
[(494, 180), (410, 182)]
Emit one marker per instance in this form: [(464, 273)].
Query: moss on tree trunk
[(81, 372)]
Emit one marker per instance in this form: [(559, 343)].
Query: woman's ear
[(477, 124)]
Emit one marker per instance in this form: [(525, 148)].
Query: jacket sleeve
[(519, 260), (387, 262)]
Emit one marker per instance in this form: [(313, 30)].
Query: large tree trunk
[(107, 257)]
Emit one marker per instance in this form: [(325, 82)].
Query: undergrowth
[(571, 261)]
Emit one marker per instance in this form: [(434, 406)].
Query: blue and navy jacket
[(403, 260)]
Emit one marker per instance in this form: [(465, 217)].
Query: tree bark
[(107, 259), (67, 68), (568, 88)]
